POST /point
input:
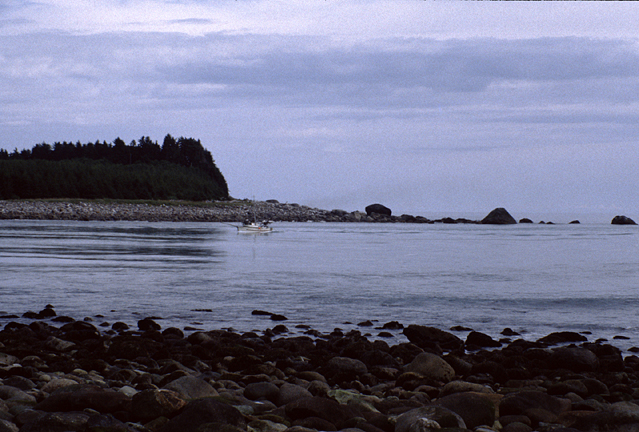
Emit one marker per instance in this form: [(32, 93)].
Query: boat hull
[(254, 229)]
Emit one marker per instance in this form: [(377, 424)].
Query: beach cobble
[(62, 374), (228, 211)]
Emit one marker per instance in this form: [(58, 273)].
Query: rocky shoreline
[(62, 374), (233, 211)]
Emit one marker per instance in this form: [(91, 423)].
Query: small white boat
[(254, 227)]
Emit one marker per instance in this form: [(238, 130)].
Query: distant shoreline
[(177, 211), (195, 211)]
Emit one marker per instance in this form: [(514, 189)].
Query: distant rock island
[(230, 211)]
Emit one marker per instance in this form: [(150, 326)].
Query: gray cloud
[(426, 113)]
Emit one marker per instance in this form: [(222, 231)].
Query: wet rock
[(323, 408), (568, 386), (622, 220), (190, 387), (120, 326), (562, 337), (291, 392), (431, 366), (508, 419), (475, 409), (58, 383), (431, 338), (106, 423), (147, 324), (19, 382), (345, 365), (574, 359), (463, 386), (47, 312), (499, 216), (315, 423), (57, 422), (620, 416), (262, 391), (81, 396), (481, 340), (8, 359), (426, 418), (173, 332), (462, 367), (15, 396), (7, 426), (59, 345), (536, 405), (151, 404), (519, 427), (509, 332), (393, 325), (379, 209), (262, 425), (202, 411)]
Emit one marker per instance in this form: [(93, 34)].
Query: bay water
[(534, 279)]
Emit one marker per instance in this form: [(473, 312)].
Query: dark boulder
[(79, 397), (379, 209), (525, 220), (147, 324), (499, 216), (431, 338), (57, 421), (153, 403), (202, 411), (622, 220), (481, 340), (536, 405), (262, 391), (327, 409), (474, 408), (429, 418), (562, 337), (574, 359)]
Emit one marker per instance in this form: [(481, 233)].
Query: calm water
[(534, 279)]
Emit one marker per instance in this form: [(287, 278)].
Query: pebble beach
[(59, 373), (227, 211)]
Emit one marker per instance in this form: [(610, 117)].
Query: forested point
[(180, 169)]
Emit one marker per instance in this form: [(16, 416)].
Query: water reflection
[(107, 241)]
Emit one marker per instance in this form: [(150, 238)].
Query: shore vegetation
[(179, 169)]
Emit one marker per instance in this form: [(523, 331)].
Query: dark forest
[(178, 169)]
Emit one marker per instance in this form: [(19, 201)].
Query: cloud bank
[(311, 105)]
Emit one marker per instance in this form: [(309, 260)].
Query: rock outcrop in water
[(234, 211), (227, 211), (499, 216), (379, 209), (622, 220), (59, 374)]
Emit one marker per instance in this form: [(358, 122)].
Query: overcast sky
[(425, 107)]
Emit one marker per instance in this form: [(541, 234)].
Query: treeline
[(179, 169)]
